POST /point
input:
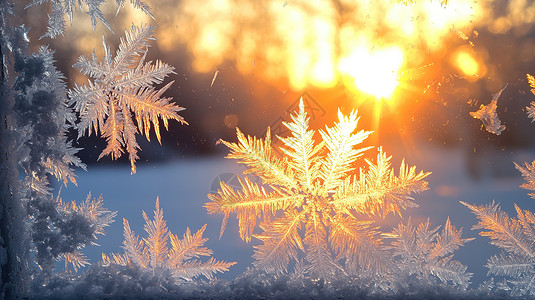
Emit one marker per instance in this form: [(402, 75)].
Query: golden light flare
[(373, 72), (361, 43)]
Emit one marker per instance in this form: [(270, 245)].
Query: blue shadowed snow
[(182, 186)]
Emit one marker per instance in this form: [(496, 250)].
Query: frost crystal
[(529, 175), (515, 237), (422, 251), (531, 108), (96, 215), (488, 115), (60, 8), (41, 120), (123, 87), (314, 204), (152, 253)]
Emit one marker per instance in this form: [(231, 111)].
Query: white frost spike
[(488, 115), (213, 79)]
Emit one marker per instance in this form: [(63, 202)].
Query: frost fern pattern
[(152, 253), (313, 192), (121, 90), (60, 8), (96, 215), (515, 237), (424, 252)]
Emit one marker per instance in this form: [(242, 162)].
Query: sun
[(374, 72)]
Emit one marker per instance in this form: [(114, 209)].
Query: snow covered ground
[(182, 186)]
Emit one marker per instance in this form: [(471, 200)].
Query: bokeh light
[(319, 44)]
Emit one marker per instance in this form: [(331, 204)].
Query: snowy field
[(182, 186)]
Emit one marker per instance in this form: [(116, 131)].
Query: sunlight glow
[(373, 72), (304, 44), (361, 43)]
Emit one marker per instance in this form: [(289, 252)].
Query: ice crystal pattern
[(488, 115), (123, 88), (44, 118), (314, 204), (531, 108), (96, 215), (153, 254), (39, 122), (528, 172), (60, 8), (516, 238), (424, 252)]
